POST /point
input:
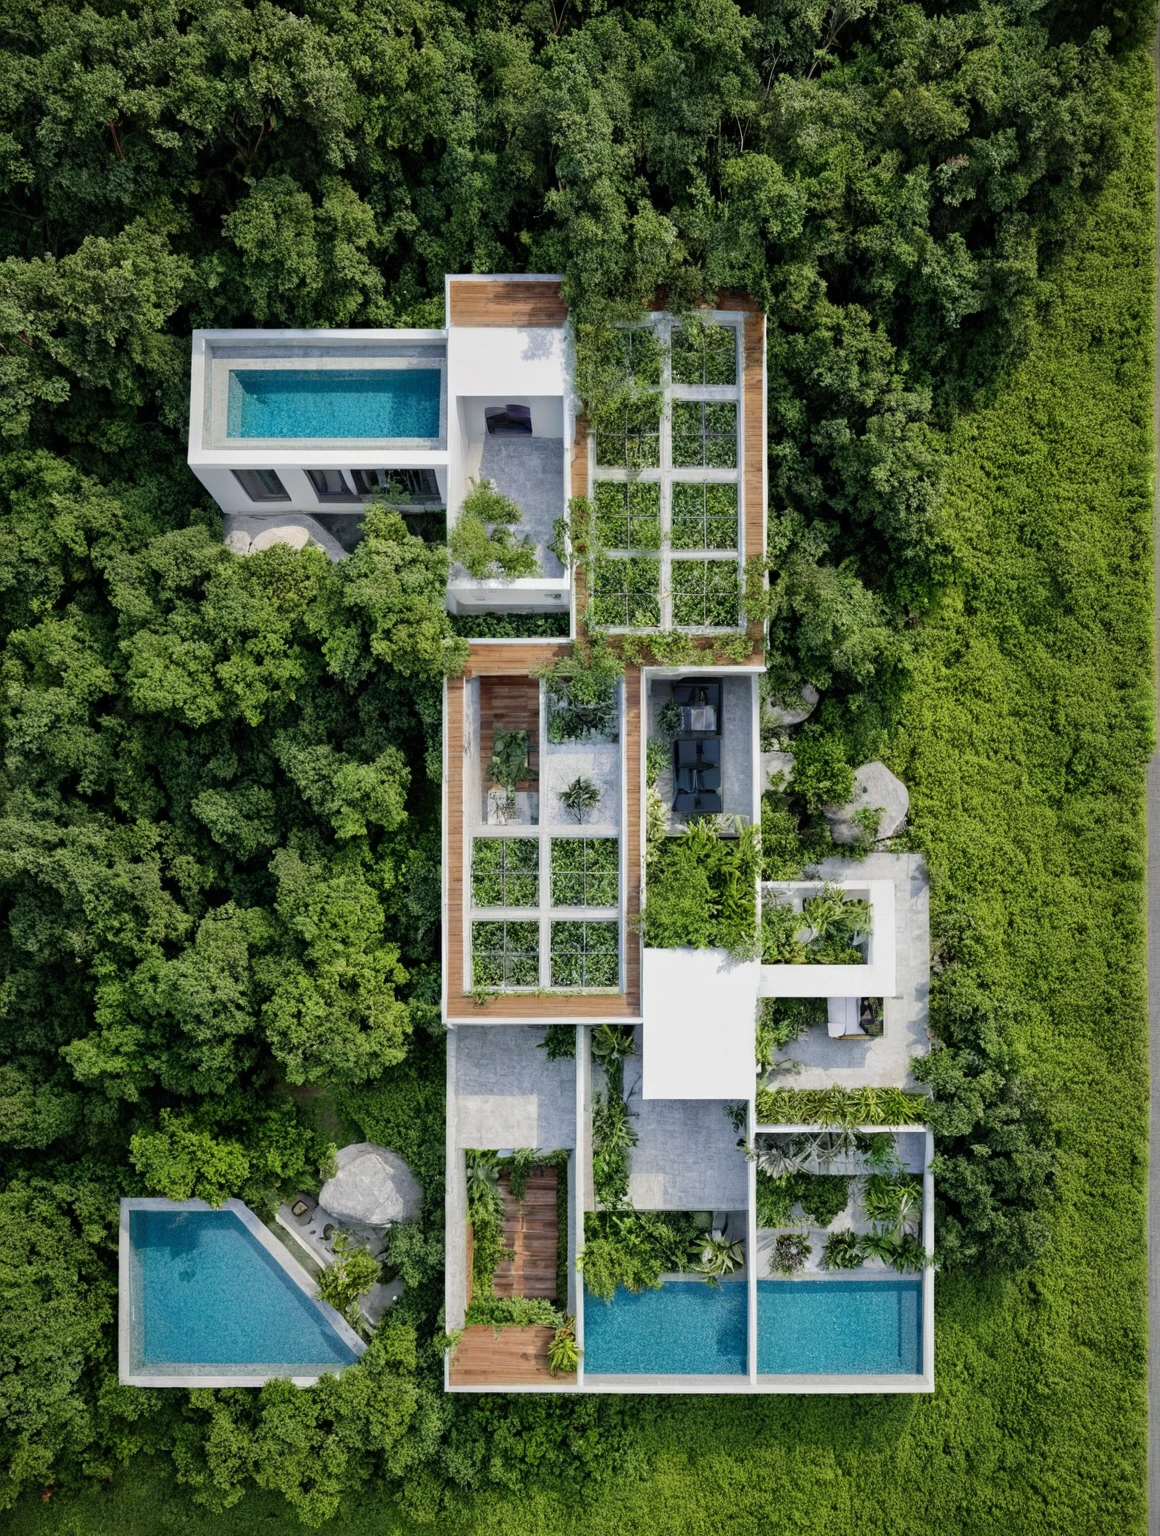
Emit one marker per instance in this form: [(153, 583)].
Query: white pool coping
[(240, 1378)]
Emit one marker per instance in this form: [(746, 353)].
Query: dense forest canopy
[(219, 840)]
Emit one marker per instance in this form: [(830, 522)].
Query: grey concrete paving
[(508, 1094), (687, 1157), (737, 720), (886, 1060), (531, 471)]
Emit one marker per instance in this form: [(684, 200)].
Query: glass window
[(405, 486), (261, 484), (585, 954), (505, 872), (585, 871), (505, 955), (330, 485)]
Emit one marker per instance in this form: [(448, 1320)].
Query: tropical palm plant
[(563, 1351), (716, 1256), (842, 1250)]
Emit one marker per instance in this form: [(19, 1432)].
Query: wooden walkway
[(530, 1228), (503, 1357), (506, 301)]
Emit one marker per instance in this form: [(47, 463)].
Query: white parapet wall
[(877, 978)]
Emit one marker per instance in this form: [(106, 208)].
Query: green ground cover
[(218, 808), (1023, 738)]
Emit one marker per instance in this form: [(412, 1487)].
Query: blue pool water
[(685, 1328), (333, 402), (207, 1294), (851, 1327)]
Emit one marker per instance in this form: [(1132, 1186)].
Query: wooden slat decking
[(510, 703), (506, 1356), (518, 658), (500, 301), (530, 1229)]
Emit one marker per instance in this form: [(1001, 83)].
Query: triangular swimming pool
[(208, 1299)]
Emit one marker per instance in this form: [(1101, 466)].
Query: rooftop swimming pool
[(346, 403), (839, 1327), (208, 1299), (685, 1328)]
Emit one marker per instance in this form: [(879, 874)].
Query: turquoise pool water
[(848, 1327), (685, 1328), (207, 1296), (333, 402)]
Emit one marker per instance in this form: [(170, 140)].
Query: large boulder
[(284, 533), (875, 788), (773, 763), (372, 1188), (794, 711)]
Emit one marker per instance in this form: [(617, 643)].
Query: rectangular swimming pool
[(685, 1328), (343, 403), (840, 1327), (207, 1298)]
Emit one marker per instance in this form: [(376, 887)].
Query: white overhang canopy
[(699, 1020)]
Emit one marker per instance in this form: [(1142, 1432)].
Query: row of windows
[(332, 485)]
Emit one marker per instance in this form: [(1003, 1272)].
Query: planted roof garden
[(666, 547)]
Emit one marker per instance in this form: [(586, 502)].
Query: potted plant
[(580, 797)]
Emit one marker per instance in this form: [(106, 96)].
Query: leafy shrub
[(782, 1020), (505, 955), (559, 1042), (821, 774), (582, 693), (563, 1351), (835, 1106), (585, 954), (481, 539), (510, 758), (628, 514), (700, 890), (634, 1249), (513, 1311), (505, 872), (706, 594), (842, 1250), (822, 1197), (580, 797), (351, 1275), (789, 1253)]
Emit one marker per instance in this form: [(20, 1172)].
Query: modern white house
[(303, 429), (545, 871)]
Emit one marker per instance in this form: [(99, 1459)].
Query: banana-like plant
[(563, 1351), (716, 1256)]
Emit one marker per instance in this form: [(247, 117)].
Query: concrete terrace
[(884, 1061), (508, 1094)]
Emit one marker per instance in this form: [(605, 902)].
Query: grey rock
[(875, 787), (372, 1188), (283, 533), (238, 541), (379, 1300), (793, 714), (775, 762)]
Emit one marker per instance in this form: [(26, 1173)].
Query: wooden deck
[(530, 1229), (505, 301), (503, 1357), (510, 704), (518, 658)]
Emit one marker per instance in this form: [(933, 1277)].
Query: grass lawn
[(1023, 739)]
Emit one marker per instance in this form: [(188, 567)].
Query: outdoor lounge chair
[(842, 1019), (511, 421)]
